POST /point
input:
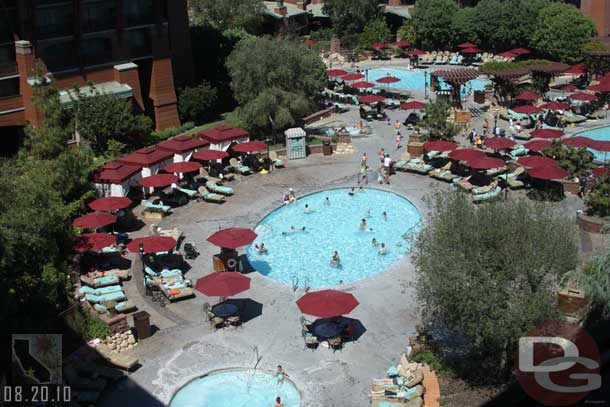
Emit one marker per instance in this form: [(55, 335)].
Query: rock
[(124, 344), (131, 340), (112, 345)]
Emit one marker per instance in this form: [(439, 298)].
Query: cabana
[(182, 146), (221, 137), (115, 179), (151, 159), (456, 78)]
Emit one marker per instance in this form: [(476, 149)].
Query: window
[(59, 56), (97, 50), (7, 54), (9, 87), (54, 21), (139, 42), (138, 12), (98, 16), (8, 24)]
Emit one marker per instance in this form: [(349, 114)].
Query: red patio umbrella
[(499, 143), (413, 105), (94, 220), (538, 145), (249, 147), (93, 242), (232, 238), (362, 85), (546, 133), (158, 180), (440, 145), (371, 99), (379, 45), (521, 51), (601, 87), (109, 203), (222, 284), (336, 72), (416, 52), (599, 171), (529, 96), (401, 44), (471, 50), (152, 244), (578, 69), (579, 142), (527, 109), (507, 54), (327, 303), (210, 155), (185, 166), (583, 97), (352, 77), (555, 106), (310, 42), (486, 163), (535, 161), (467, 45), (388, 79), (466, 154), (603, 146), (569, 88), (548, 173)]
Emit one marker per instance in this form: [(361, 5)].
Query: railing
[(295, 283)]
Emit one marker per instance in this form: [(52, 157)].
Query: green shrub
[(196, 103), (87, 326), (158, 136), (429, 358), (577, 161), (598, 201)]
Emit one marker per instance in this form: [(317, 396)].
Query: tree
[(487, 273), (222, 15), (562, 32), (350, 16), (435, 121), (273, 77), (464, 26), (598, 201), (376, 30), (406, 32), (432, 20), (196, 102), (577, 161), (101, 116)]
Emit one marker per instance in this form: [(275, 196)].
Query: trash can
[(141, 321), (296, 147), (327, 149), (479, 97)]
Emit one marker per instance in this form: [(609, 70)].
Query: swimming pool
[(415, 79), (305, 254), (236, 387), (601, 134)]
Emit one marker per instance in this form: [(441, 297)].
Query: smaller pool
[(601, 134), (353, 131), (236, 388), (416, 79)]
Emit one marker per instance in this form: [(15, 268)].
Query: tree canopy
[(376, 30), (274, 80), (562, 32), (435, 121), (222, 15), (196, 103), (487, 273), (433, 23), (464, 26), (350, 16)]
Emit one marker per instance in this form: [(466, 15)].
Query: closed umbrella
[(527, 109), (547, 133), (579, 142), (249, 147), (439, 145), (352, 77), (535, 161), (327, 303), (181, 167), (538, 145), (110, 203), (548, 173), (486, 163), (223, 284), (466, 154), (371, 99), (583, 97), (362, 85), (413, 105), (158, 180), (499, 143), (94, 220), (232, 238), (528, 96), (152, 244), (210, 155), (93, 242)]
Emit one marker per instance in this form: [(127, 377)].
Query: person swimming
[(374, 242), (280, 374), (385, 215), (362, 224), (278, 402), (261, 249), (382, 249), (352, 192), (367, 214), (335, 261), (307, 209), (327, 201)]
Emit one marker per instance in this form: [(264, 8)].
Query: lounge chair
[(518, 151), (242, 169), (83, 290), (125, 306), (190, 192), (492, 172), (444, 173), (453, 60), (209, 196), (511, 180), (418, 166), (116, 296), (100, 281), (463, 184), (404, 159), (121, 360), (149, 205), (275, 159), (203, 173), (488, 196), (211, 186), (121, 274), (173, 292)]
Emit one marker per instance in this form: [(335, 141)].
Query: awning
[(114, 88), (295, 132)]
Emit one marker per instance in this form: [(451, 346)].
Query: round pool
[(304, 256), (236, 387)]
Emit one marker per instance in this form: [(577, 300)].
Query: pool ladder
[(295, 283), (306, 285), (257, 356)]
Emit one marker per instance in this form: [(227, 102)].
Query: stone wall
[(591, 224)]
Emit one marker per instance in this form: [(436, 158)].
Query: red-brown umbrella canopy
[(599, 171), (527, 109), (603, 146), (471, 50), (223, 284), (579, 142), (486, 163), (529, 96), (209, 155), (417, 52), (352, 77), (520, 51), (152, 244), (371, 99), (601, 87), (440, 145), (158, 180), (309, 41), (499, 143), (401, 44), (547, 133), (507, 54), (94, 220), (569, 88), (388, 79), (555, 106), (336, 72), (583, 97), (466, 154), (379, 45), (110, 203), (362, 85), (467, 45), (535, 161), (327, 303), (249, 147), (548, 173), (93, 242), (185, 166), (578, 69), (413, 105), (538, 145), (232, 238)]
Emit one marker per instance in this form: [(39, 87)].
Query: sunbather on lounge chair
[(100, 281)]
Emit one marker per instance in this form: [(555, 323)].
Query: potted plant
[(422, 333)]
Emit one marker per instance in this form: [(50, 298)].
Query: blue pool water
[(306, 255), (415, 79), (602, 134), (233, 388)]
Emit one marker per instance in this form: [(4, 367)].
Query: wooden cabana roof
[(457, 76), (552, 68)]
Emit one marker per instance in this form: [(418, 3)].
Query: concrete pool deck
[(185, 347)]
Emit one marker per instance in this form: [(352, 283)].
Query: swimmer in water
[(352, 192), (382, 249), (280, 374), (362, 224), (367, 213), (385, 215), (291, 230), (307, 209), (335, 261), (327, 201), (374, 242), (278, 402), (261, 249)]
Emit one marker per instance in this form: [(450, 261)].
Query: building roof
[(145, 157), (115, 173), (314, 10), (114, 88), (223, 133), (400, 11), (457, 76), (317, 10), (182, 143)]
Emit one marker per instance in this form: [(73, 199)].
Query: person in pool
[(367, 213), (307, 209), (352, 192), (327, 201), (362, 224), (280, 374), (385, 215), (261, 249), (292, 198), (278, 402), (335, 261), (382, 249), (374, 242)]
